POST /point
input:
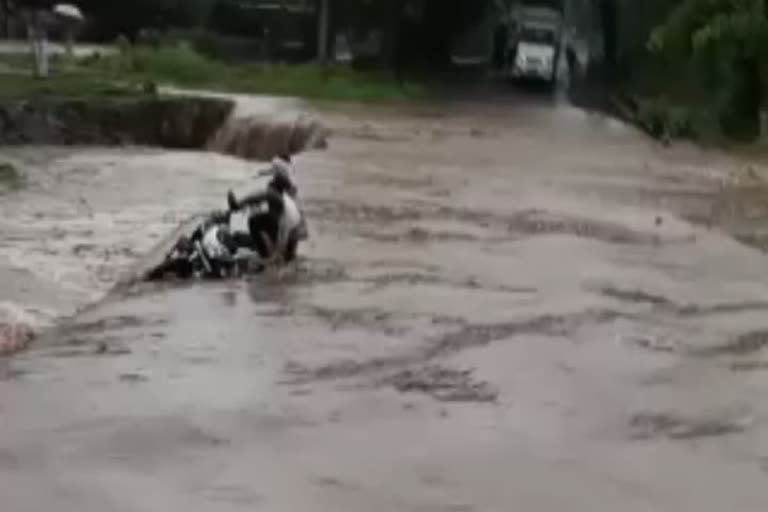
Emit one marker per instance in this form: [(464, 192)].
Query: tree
[(128, 17), (6, 9), (324, 13), (609, 22), (238, 17), (728, 40), (417, 34)]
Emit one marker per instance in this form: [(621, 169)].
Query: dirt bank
[(175, 121), (169, 122)]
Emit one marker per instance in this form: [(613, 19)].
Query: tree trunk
[(5, 19), (38, 40), (322, 31), (608, 22), (397, 40)]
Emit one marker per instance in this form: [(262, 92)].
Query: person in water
[(273, 233), (282, 170)]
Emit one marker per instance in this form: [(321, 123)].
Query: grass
[(179, 65), (70, 86)]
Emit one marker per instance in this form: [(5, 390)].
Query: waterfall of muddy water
[(260, 138), (81, 217), (262, 128)]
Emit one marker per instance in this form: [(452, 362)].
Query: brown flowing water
[(503, 304), (78, 218)]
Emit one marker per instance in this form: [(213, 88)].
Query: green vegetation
[(180, 65), (691, 68), (684, 68), (127, 72), (727, 44), (68, 86)]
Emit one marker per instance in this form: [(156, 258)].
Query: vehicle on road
[(535, 44)]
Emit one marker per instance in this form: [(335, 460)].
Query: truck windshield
[(537, 35)]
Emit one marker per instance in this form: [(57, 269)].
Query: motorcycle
[(210, 251)]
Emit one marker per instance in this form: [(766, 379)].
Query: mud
[(443, 384), (750, 366), (549, 223), (500, 302), (745, 344), (464, 338), (636, 296), (650, 425)]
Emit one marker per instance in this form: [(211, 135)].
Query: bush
[(664, 119), (223, 47), (177, 63)]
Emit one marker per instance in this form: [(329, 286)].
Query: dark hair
[(281, 183), (285, 156)]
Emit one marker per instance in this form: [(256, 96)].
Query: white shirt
[(212, 245), (289, 221)]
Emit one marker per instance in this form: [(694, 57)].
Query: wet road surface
[(501, 307)]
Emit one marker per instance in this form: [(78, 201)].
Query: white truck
[(536, 39)]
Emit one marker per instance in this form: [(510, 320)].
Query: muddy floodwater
[(504, 305)]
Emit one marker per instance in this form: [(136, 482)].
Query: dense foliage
[(727, 41), (707, 56)]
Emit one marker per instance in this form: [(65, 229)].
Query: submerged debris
[(133, 378), (443, 384), (635, 296), (677, 427), (749, 366), (15, 338), (746, 344), (653, 343)]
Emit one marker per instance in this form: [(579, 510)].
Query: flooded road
[(500, 304)]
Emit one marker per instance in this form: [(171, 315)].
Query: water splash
[(262, 127), (262, 137)]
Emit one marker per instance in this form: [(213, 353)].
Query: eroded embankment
[(181, 123), (172, 122)]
